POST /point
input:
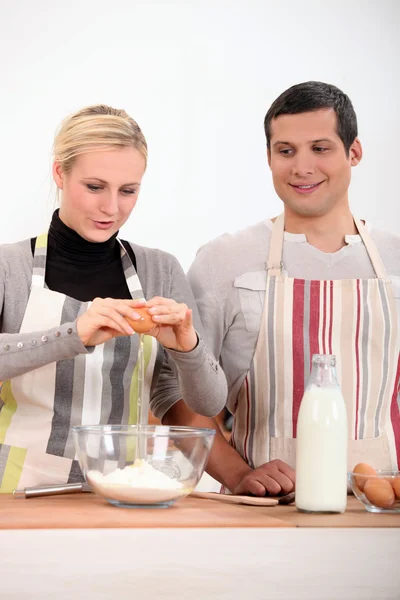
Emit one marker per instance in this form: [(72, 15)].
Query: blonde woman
[(67, 353)]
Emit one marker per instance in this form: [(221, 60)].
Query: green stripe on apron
[(133, 394), (8, 410), (13, 470)]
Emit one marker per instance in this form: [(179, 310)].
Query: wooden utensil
[(231, 499)]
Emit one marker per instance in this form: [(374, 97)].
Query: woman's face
[(100, 191)]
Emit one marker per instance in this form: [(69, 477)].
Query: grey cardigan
[(194, 376)]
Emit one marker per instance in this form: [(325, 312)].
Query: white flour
[(136, 484)]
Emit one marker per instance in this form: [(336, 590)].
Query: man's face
[(310, 168)]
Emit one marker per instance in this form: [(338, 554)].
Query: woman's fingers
[(166, 311), (163, 310), (159, 300), (118, 320), (123, 307), (173, 325), (188, 320), (169, 319)]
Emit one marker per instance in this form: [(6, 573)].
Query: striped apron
[(354, 319), (40, 407)]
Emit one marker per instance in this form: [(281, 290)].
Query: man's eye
[(320, 149), (93, 188), (286, 151)]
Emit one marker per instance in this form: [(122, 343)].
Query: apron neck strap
[(274, 263), (371, 249), (39, 261), (132, 278)]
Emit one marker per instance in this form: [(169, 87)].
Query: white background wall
[(198, 76)]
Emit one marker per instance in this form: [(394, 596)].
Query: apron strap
[(132, 278), (274, 263), (39, 261), (371, 250)]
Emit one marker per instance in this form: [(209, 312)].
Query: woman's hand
[(173, 325), (104, 320)]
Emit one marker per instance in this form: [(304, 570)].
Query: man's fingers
[(285, 483), (273, 478), (270, 484), (285, 468), (250, 487), (258, 484)]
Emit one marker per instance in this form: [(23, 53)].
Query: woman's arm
[(103, 320), (23, 352), (200, 380)]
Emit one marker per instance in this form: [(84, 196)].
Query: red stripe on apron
[(331, 317), (324, 320), (357, 358), (298, 349), (246, 437), (395, 413), (314, 318)]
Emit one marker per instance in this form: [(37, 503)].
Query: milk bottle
[(321, 453)]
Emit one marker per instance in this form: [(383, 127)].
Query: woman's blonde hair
[(98, 127)]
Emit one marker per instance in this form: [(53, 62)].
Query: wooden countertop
[(355, 516), (87, 511)]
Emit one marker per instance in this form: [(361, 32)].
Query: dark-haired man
[(315, 280)]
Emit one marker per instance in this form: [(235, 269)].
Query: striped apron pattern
[(354, 319), (40, 407)]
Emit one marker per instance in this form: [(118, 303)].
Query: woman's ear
[(58, 174)]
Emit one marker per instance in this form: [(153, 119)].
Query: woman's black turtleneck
[(81, 269)]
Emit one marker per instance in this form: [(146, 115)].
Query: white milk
[(321, 453)]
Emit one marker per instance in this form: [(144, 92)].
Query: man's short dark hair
[(315, 95)]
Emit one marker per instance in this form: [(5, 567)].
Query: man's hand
[(227, 466), (270, 479)]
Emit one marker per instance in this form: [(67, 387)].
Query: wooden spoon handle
[(231, 499)]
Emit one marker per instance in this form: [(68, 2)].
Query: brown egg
[(379, 492), (144, 324), (396, 486), (362, 469)]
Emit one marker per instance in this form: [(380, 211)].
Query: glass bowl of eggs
[(142, 465), (379, 491)]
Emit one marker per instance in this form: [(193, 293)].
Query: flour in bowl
[(139, 483)]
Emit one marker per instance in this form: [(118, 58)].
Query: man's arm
[(227, 466)]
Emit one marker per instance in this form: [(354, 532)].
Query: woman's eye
[(93, 188), (128, 192)]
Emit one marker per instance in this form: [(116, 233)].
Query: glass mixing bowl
[(142, 465)]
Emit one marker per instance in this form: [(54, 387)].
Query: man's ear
[(269, 157), (356, 152)]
